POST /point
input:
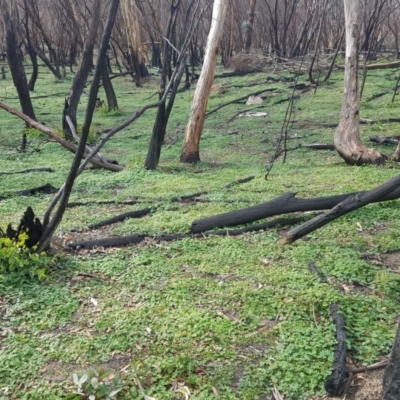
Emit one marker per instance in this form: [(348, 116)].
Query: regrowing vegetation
[(195, 210)]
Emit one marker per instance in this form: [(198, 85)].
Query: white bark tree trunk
[(347, 137), (190, 151)]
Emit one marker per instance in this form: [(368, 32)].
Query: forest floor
[(229, 317)]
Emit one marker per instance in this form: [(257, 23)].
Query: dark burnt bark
[(249, 27), (160, 125), (391, 380), (14, 57), (29, 225), (133, 239), (286, 203), (30, 50), (337, 380), (164, 110), (51, 226), (44, 189), (35, 70), (112, 101), (27, 171), (121, 217), (85, 67), (346, 206)]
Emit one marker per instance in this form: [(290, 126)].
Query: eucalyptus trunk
[(347, 136), (190, 151)]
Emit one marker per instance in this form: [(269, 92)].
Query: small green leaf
[(94, 382), (83, 379), (76, 379)]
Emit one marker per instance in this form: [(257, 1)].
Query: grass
[(219, 316)]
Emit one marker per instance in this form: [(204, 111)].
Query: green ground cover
[(226, 317)]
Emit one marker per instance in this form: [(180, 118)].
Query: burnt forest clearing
[(228, 316)]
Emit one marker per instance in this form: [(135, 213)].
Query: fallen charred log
[(134, 239), (336, 382), (385, 139), (346, 206), (89, 203), (391, 380), (44, 189), (286, 203), (121, 217), (26, 171), (319, 146)]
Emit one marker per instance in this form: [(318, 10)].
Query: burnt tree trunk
[(190, 151), (249, 26), (391, 380), (347, 136), (112, 102), (163, 112), (14, 57), (35, 69), (51, 225), (160, 125), (86, 64), (30, 49)]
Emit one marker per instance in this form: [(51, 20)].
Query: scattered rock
[(253, 114), (218, 88), (254, 101)]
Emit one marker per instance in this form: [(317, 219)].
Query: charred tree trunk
[(51, 226), (155, 55), (391, 380), (35, 69), (190, 151), (160, 124), (347, 137), (31, 51), (14, 57), (249, 26), (134, 56), (86, 64), (112, 102)]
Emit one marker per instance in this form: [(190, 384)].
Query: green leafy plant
[(17, 261), (105, 112), (96, 385), (34, 133)]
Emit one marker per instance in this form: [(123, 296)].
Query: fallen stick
[(319, 146), (372, 367), (244, 180), (121, 217), (26, 171), (87, 203), (375, 96), (49, 132)]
